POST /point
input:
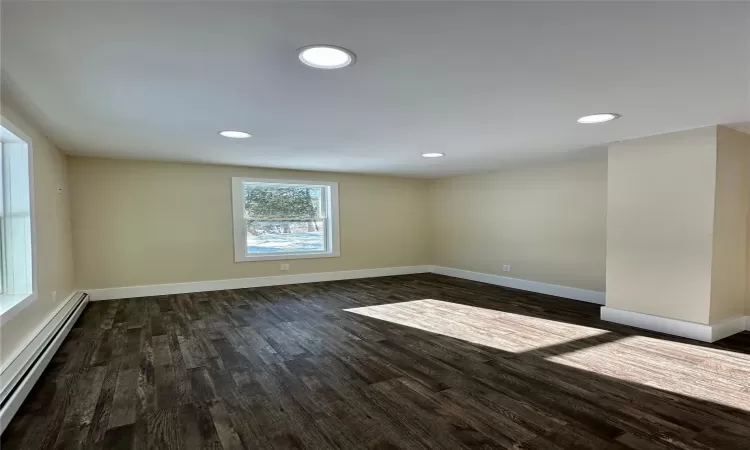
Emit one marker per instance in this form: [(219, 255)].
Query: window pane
[(274, 219), (285, 236), (2, 223), (267, 201)]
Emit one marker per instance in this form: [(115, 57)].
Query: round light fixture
[(433, 155), (598, 118), (235, 134), (326, 56)]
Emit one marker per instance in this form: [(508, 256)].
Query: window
[(283, 219), (16, 268)]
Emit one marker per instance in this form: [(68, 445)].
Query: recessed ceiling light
[(433, 155), (235, 134), (598, 118), (326, 56)]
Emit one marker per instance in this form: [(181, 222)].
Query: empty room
[(374, 225)]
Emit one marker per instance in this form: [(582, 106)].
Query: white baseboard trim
[(525, 285), (692, 330), (240, 283), (21, 372), (727, 328)]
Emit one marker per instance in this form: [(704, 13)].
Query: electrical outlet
[(54, 296), (506, 268), (285, 267)]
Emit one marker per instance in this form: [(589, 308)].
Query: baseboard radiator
[(18, 377)]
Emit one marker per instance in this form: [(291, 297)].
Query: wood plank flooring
[(413, 362)]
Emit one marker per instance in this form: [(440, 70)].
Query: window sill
[(12, 304), (287, 256)]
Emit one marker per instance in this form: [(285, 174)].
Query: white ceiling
[(489, 84)]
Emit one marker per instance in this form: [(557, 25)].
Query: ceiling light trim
[(598, 118), (304, 55), (234, 134)]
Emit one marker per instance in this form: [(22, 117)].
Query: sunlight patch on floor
[(497, 329), (710, 374)]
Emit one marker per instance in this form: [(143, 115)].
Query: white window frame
[(14, 299), (331, 204)]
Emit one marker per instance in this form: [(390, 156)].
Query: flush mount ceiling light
[(235, 134), (326, 56), (598, 118), (433, 155)]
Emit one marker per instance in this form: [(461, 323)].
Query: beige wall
[(660, 224), (729, 268), (546, 221), (136, 223), (142, 223), (54, 258)]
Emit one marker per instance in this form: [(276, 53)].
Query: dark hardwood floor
[(418, 361)]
